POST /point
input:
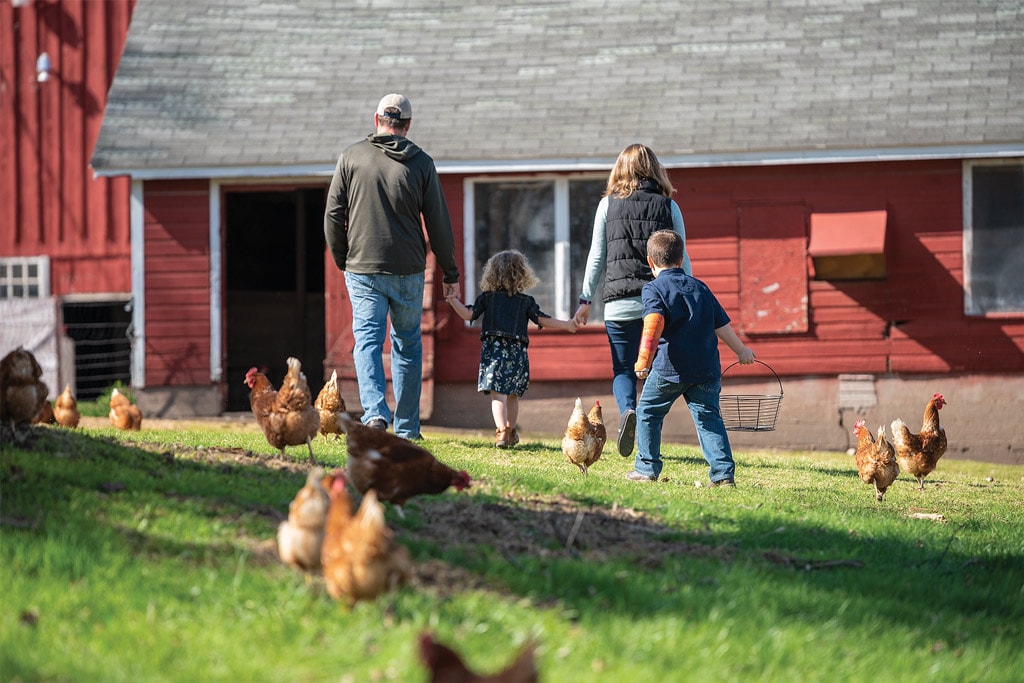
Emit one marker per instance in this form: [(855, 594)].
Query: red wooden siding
[(177, 282), (51, 204), (910, 322)]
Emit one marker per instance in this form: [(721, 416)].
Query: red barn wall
[(51, 204), (913, 321), (177, 283), (908, 331)]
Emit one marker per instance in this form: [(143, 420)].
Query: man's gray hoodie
[(381, 186)]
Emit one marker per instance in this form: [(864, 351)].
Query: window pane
[(518, 215), (997, 280), (584, 196)]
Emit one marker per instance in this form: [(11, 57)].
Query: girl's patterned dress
[(504, 362)]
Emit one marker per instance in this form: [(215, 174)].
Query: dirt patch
[(469, 524)]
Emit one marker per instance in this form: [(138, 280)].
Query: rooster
[(330, 405), (286, 415), (65, 409), (123, 413), (299, 537), (360, 557), (395, 467), (22, 393), (446, 666), (876, 459), (584, 436), (919, 453)]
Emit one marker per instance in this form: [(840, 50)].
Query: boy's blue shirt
[(688, 348)]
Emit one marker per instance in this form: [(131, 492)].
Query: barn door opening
[(273, 285)]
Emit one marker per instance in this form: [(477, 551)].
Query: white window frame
[(41, 280), (564, 308), (971, 307)]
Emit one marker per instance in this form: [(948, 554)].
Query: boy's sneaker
[(633, 475), (723, 482), (377, 423), (627, 433)]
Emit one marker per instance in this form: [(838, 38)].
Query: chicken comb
[(859, 424)]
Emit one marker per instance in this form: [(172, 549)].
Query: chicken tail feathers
[(899, 432)]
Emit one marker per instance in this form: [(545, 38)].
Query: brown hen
[(123, 413), (876, 459), (360, 557), (45, 415), (65, 408), (395, 467), (300, 536), (919, 453), (446, 666), (22, 393), (286, 415), (585, 436), (330, 405)]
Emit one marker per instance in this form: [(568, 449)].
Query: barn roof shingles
[(269, 83)]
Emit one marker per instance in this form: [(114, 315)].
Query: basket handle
[(764, 364)]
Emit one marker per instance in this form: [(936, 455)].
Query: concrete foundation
[(982, 417)]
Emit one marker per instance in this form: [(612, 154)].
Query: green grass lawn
[(151, 557)]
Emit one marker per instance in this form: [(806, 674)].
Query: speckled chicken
[(876, 459), (918, 454), (123, 413), (585, 436), (65, 408), (286, 415), (446, 666), (330, 405), (300, 536), (360, 557)]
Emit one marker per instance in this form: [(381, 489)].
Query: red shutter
[(773, 269)]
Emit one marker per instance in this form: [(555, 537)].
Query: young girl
[(506, 312)]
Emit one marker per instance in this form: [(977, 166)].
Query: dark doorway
[(274, 286)]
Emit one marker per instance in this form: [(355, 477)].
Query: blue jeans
[(702, 400), (374, 298), (624, 340)]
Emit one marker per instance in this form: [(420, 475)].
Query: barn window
[(24, 277), (994, 237), (550, 220)]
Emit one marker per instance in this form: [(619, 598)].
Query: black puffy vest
[(631, 220)]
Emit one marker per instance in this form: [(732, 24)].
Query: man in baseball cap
[(384, 193), (395, 106)]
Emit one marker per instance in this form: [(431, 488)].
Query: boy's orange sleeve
[(654, 325)]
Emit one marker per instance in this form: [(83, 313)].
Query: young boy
[(684, 321)]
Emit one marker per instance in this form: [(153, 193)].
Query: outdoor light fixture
[(43, 68)]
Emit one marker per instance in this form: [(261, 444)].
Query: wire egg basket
[(751, 412)]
